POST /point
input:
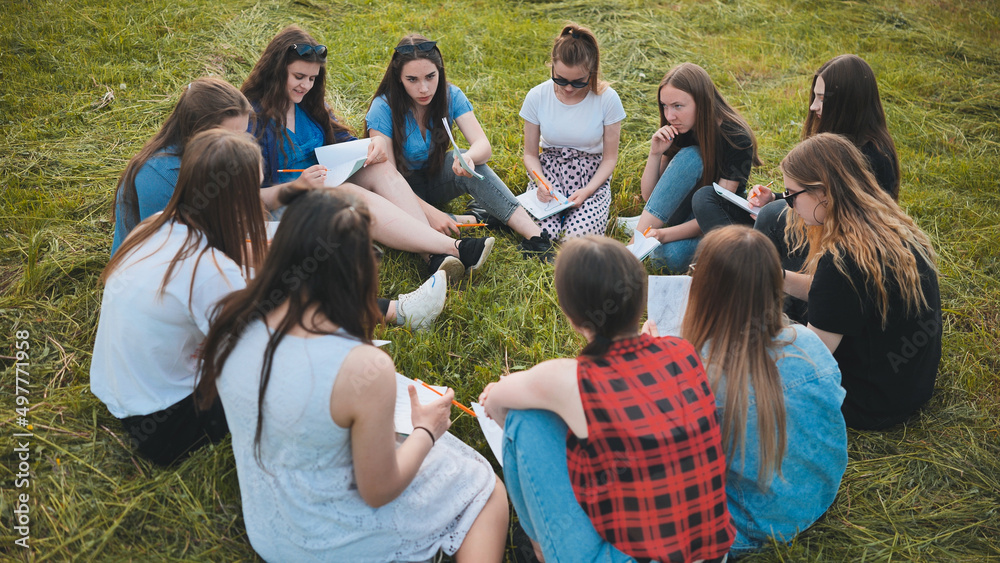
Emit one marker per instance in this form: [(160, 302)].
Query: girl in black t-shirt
[(844, 99), (869, 278), (701, 140)]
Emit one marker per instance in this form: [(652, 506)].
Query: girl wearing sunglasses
[(869, 278), (576, 118), (701, 140), (845, 100), (287, 88), (406, 114)]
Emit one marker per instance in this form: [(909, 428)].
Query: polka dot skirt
[(570, 170)]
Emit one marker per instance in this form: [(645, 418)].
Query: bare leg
[(488, 536), (523, 224), (392, 227), (647, 220), (384, 180)]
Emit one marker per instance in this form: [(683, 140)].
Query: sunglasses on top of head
[(407, 49), (305, 50), (574, 83)]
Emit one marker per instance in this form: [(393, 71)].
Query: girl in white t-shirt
[(576, 120), (159, 291)]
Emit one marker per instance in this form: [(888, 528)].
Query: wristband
[(429, 433)]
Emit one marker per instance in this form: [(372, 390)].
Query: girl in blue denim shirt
[(776, 386)]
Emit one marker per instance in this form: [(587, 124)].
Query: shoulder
[(456, 97), (163, 161), (738, 135), (368, 362)]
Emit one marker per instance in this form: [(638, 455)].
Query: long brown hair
[(204, 104), (733, 318), (608, 304), (852, 107), (862, 222), (576, 46), (400, 103), (325, 240), (266, 87), (716, 122), (217, 198)]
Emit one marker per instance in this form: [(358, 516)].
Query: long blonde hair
[(733, 319), (862, 222)]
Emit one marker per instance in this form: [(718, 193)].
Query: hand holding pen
[(761, 195)]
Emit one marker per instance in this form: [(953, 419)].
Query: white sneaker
[(628, 223), (419, 308)]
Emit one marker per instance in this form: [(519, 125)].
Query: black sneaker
[(540, 247), (451, 266), (474, 251)]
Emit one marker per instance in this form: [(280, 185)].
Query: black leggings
[(167, 436)]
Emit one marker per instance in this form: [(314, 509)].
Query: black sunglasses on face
[(574, 83), (407, 49), (790, 197), (304, 50)]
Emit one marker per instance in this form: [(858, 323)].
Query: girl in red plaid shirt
[(614, 455)]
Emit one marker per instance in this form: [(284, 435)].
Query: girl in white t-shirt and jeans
[(576, 120), (160, 288)]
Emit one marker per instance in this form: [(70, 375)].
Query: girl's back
[(816, 453), (303, 504)]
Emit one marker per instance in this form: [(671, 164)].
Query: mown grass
[(86, 83)]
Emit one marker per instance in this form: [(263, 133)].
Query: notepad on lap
[(539, 210), (403, 415), (666, 302), (342, 160), (641, 246), (735, 199)]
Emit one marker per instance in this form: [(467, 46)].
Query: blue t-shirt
[(299, 148), (416, 147), (154, 186)]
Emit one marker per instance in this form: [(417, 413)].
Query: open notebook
[(641, 246), (539, 210), (342, 160), (666, 302), (404, 422)]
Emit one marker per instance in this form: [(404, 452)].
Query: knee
[(703, 199), (770, 217)]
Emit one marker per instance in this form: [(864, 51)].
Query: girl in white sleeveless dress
[(310, 404)]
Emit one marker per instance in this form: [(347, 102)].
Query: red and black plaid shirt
[(651, 473)]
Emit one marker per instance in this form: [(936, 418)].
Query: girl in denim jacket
[(776, 386)]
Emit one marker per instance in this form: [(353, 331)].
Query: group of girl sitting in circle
[(641, 448)]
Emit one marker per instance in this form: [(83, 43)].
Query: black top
[(881, 165), (735, 157), (888, 374)]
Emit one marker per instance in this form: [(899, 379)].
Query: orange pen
[(470, 225), (456, 403), (646, 232)]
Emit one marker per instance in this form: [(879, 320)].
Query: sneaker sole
[(452, 267), (487, 248)]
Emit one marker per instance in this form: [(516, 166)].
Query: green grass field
[(85, 83)]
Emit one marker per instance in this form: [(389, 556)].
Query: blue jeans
[(537, 480), (445, 186), (671, 192)]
